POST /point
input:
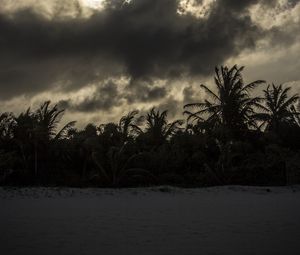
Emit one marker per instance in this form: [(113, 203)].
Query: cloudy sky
[(102, 58)]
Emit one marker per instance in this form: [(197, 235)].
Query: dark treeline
[(231, 137)]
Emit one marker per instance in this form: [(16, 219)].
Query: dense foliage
[(229, 138)]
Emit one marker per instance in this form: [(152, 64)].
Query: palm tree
[(296, 113), (23, 136), (277, 108), (47, 120), (6, 125), (45, 129), (158, 129), (124, 131), (40, 128), (232, 105), (129, 125)]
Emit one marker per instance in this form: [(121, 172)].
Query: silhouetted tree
[(157, 128), (6, 126), (232, 107), (296, 114), (129, 125), (277, 107), (36, 130)]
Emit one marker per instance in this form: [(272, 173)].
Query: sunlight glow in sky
[(200, 10), (94, 4)]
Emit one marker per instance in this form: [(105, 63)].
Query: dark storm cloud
[(172, 105), (143, 40), (144, 91), (107, 95), (191, 94), (104, 98)]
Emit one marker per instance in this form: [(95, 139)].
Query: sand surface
[(163, 220)]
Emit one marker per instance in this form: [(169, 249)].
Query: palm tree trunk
[(84, 169), (35, 159)]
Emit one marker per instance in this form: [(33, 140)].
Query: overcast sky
[(100, 59)]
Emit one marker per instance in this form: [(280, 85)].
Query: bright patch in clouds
[(199, 9), (94, 4), (284, 12)]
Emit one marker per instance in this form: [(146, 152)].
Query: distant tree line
[(232, 137)]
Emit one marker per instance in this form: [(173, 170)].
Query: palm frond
[(64, 131)]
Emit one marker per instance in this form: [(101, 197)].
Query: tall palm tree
[(47, 120), (40, 128), (129, 125), (6, 125), (296, 113), (23, 136), (158, 129), (231, 107), (45, 129), (125, 130), (277, 108)]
